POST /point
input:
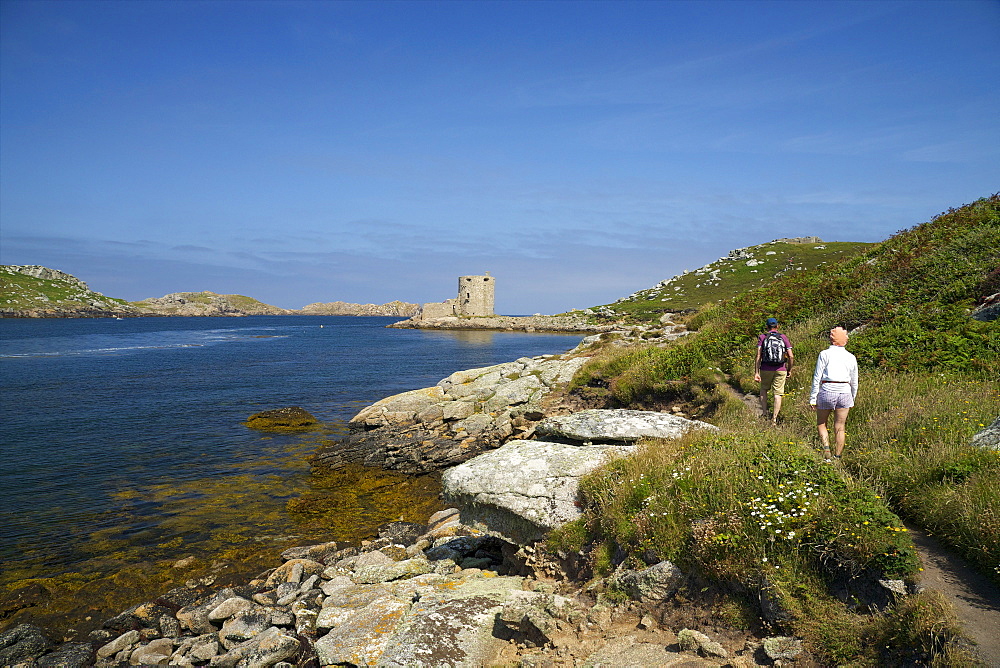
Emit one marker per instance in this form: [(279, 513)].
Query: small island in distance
[(32, 291)]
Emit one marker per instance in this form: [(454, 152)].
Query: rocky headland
[(33, 291), (206, 304)]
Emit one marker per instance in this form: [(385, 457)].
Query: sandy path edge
[(975, 597)]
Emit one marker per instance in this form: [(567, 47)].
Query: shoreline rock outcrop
[(465, 414), (524, 489)]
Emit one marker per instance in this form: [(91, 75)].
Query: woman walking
[(834, 387)]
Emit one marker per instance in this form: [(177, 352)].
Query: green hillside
[(21, 293), (783, 540), (741, 271), (206, 303)]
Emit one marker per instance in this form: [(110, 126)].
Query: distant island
[(33, 291)]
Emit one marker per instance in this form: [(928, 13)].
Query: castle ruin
[(475, 298)]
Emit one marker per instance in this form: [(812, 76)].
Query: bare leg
[(822, 415), (839, 431), (777, 407), (763, 401)]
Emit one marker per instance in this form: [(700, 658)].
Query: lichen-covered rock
[(194, 617), (68, 655), (524, 488), (513, 393), (22, 644), (125, 642), (618, 425), (451, 625), (228, 608), (989, 309), (287, 571), (650, 585), (394, 571), (292, 418), (264, 649), (989, 437), (401, 533), (531, 616), (312, 552), (243, 626), (780, 648), (695, 641), (399, 409), (156, 652), (361, 638), (353, 597)]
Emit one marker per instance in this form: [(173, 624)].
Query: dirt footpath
[(975, 597)]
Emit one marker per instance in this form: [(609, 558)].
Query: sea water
[(123, 443)]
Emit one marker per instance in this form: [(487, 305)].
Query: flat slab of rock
[(452, 625), (625, 426), (524, 488), (628, 652)]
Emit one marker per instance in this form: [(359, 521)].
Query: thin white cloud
[(956, 151)]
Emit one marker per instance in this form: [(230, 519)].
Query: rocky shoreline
[(473, 586), (440, 594)]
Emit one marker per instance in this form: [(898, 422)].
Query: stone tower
[(475, 295)]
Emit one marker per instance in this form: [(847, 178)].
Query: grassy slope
[(756, 510), (19, 292), (720, 280), (240, 303)]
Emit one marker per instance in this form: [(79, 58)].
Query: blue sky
[(579, 151)]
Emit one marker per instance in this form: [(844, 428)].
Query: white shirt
[(836, 364)]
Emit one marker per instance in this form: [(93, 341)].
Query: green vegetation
[(912, 294), (756, 511), (205, 303), (20, 292), (741, 272)]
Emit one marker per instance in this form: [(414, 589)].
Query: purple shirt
[(764, 366)]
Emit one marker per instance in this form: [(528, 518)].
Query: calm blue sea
[(127, 433)]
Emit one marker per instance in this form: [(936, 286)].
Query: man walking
[(772, 366)]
